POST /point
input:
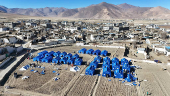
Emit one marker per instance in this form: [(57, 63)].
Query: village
[(41, 57)]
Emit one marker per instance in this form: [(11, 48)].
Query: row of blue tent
[(59, 57), (118, 73), (93, 52)]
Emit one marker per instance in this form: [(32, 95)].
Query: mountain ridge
[(102, 10)]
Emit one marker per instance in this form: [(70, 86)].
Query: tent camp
[(56, 60), (106, 72), (94, 64), (78, 61), (57, 54), (97, 52), (98, 59), (104, 53), (63, 60), (90, 70), (90, 51), (83, 50)]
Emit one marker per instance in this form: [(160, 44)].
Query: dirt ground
[(151, 78)]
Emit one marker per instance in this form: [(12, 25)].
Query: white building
[(4, 29)]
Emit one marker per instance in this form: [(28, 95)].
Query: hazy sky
[(79, 3)]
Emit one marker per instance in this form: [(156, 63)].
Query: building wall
[(2, 57), (10, 49), (19, 49)]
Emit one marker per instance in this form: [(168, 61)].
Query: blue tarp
[(104, 53)]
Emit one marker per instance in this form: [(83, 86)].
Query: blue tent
[(63, 60), (104, 53), (49, 54), (115, 65), (47, 59), (130, 78), (83, 50), (90, 70), (69, 56), (56, 60), (57, 54), (118, 74), (70, 61), (115, 60), (106, 59), (63, 54), (78, 61), (106, 64), (126, 67), (43, 52), (98, 59), (75, 56), (106, 72), (38, 58), (90, 51), (124, 61), (94, 64), (97, 52)]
